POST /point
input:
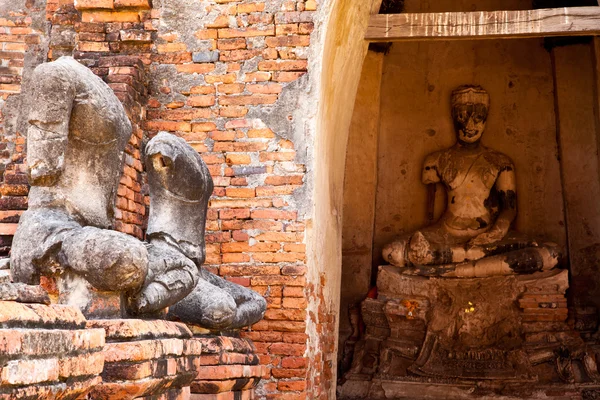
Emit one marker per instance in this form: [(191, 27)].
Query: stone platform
[(146, 359), (412, 389), (50, 351), (448, 335), (46, 352)]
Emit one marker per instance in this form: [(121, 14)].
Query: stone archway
[(343, 53)]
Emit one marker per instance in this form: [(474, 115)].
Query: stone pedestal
[(146, 359), (46, 352), (229, 369), (496, 335)]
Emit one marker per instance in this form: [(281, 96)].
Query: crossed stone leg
[(180, 186), (156, 274)]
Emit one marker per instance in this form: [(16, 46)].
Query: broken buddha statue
[(77, 134), (472, 238)]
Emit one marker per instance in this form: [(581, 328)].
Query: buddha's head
[(470, 104)]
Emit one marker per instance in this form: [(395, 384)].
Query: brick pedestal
[(146, 359), (436, 337), (229, 369), (46, 352)]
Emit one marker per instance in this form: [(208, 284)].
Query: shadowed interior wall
[(577, 131), (360, 182)]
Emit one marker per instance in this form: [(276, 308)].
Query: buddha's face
[(469, 121)]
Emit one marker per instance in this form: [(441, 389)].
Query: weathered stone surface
[(180, 186), (218, 304), (14, 314), (205, 56), (77, 292), (76, 137), (23, 293), (129, 329), (75, 155), (109, 260), (42, 342), (45, 352), (59, 390), (218, 344), (451, 332)]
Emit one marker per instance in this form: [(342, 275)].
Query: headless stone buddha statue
[(472, 238), (77, 135)]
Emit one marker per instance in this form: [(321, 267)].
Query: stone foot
[(218, 304)]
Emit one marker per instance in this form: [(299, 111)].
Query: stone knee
[(207, 305), (523, 261), (108, 260), (395, 252), (37, 244)]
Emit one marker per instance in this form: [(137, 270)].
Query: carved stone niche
[(468, 308)]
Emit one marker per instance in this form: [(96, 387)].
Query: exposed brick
[(195, 68), (231, 44), (268, 30), (201, 101), (288, 41)]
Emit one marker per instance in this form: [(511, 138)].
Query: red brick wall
[(246, 53), (217, 81)]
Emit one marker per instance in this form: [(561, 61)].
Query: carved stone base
[(493, 333), (230, 369), (46, 352), (416, 390), (146, 359)]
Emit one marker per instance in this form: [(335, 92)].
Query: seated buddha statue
[(472, 238)]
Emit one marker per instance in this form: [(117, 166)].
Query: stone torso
[(469, 177), (98, 131)]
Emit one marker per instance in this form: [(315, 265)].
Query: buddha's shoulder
[(498, 159), (438, 156)]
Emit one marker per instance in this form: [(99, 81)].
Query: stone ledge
[(147, 358), (46, 342), (13, 314), (62, 390), (64, 362), (118, 330), (112, 4)]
